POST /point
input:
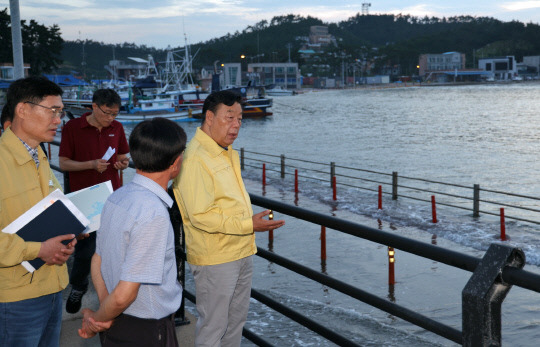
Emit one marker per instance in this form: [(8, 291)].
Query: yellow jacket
[(22, 186), (215, 206)]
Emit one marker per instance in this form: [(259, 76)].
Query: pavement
[(72, 322), (69, 337)]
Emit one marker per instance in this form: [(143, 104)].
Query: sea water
[(478, 134)]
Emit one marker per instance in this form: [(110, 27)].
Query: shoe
[(73, 304)]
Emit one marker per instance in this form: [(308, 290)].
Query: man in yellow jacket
[(219, 223), (30, 303)]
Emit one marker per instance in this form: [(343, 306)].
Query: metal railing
[(493, 276), (495, 273), (368, 180)]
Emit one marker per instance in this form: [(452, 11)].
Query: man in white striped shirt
[(134, 267)]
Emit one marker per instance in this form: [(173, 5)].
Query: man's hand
[(99, 165), (122, 164), (90, 327), (54, 252), (261, 224)]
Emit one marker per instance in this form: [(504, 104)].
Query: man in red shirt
[(84, 142)]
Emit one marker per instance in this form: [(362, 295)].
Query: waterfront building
[(286, 75), (7, 71), (532, 64), (7, 75), (435, 66), (232, 74), (500, 68), (119, 69)]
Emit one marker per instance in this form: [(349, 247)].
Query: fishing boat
[(189, 115), (278, 91)]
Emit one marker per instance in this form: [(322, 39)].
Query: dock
[(70, 338)]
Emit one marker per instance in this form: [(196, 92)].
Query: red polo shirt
[(82, 142)]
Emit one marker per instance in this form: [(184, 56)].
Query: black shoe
[(73, 304)]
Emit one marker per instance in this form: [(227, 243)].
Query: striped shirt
[(32, 151), (136, 244)]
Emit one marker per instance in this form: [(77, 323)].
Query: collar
[(18, 150), (209, 144), (155, 188)]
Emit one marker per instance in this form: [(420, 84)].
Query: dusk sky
[(162, 23)]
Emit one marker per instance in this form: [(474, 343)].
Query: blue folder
[(55, 220)]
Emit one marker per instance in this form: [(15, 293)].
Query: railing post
[(323, 243), (394, 185), (332, 172), (379, 205), (282, 166), (271, 231), (66, 182), (484, 293), (433, 209), (180, 315), (503, 226), (296, 180), (391, 261), (334, 189), (264, 174), (476, 201), (242, 158)]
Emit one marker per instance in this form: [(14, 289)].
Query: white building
[(232, 74), (7, 71), (286, 75), (450, 61), (501, 68), (532, 63)]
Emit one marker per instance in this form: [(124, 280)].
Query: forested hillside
[(383, 40)]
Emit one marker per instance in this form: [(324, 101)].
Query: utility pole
[(83, 63), (289, 47), (343, 70), (16, 39)]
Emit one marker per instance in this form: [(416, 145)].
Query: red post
[(296, 180), (334, 188), (391, 259), (433, 209), (264, 175), (323, 243), (503, 227), (49, 145), (121, 178), (380, 197)]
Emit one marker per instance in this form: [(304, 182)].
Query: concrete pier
[(71, 323)]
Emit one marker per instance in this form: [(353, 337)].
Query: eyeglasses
[(108, 113), (56, 112)]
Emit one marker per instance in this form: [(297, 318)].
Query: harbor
[(400, 149), (418, 132)]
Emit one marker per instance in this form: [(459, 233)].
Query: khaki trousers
[(223, 292)]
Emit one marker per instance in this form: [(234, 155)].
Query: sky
[(160, 23)]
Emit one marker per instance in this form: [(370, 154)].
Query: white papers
[(109, 153), (35, 210), (90, 201)]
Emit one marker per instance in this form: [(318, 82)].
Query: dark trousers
[(133, 331), (82, 260)]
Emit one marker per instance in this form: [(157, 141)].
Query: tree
[(42, 46)]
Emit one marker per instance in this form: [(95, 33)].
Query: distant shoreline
[(415, 84)]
